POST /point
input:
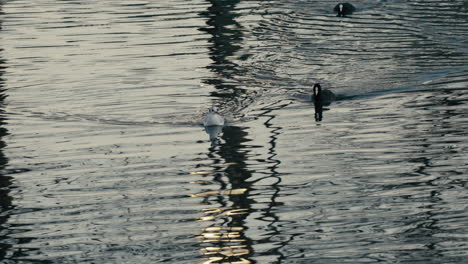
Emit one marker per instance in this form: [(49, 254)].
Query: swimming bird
[(213, 118), (213, 132), (344, 9), (321, 98)]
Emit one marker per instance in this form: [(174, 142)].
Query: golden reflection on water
[(201, 172), (230, 245), (221, 244), (216, 260), (224, 192)]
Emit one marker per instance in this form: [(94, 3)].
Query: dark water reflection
[(103, 159), (5, 180), (225, 239), (235, 200)]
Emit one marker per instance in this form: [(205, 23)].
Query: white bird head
[(213, 109)]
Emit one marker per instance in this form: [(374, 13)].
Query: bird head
[(317, 89), (213, 109)]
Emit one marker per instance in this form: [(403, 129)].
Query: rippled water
[(103, 158)]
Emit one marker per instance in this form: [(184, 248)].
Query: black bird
[(321, 98), (344, 9)]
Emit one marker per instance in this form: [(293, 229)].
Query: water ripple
[(103, 159)]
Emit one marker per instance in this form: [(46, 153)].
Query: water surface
[(103, 158)]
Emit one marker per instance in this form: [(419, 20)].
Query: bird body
[(213, 118), (213, 132), (321, 98), (325, 97), (344, 9)]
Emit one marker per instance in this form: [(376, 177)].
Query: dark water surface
[(103, 159)]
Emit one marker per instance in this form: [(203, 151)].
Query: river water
[(103, 158)]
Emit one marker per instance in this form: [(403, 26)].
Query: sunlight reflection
[(201, 172), (230, 243), (213, 213), (218, 259), (225, 192)]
